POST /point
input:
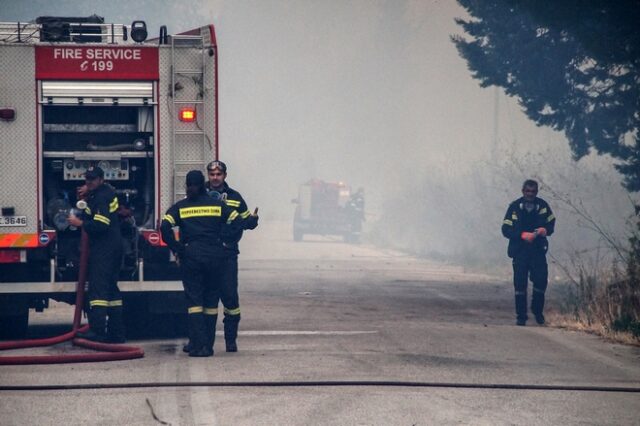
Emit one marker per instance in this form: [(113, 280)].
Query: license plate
[(13, 221)]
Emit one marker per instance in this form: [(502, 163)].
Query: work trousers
[(534, 267), (104, 295), (230, 298), (201, 281)]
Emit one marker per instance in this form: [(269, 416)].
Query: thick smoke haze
[(373, 93)]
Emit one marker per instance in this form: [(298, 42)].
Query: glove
[(251, 222), (528, 236), (542, 231)]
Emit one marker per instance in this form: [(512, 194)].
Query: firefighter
[(217, 187), (355, 211), (100, 221), (204, 224), (527, 224)]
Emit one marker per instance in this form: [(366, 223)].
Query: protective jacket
[(519, 219), (102, 224), (101, 220), (233, 199), (204, 224)]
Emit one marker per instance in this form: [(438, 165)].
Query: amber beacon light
[(188, 115)]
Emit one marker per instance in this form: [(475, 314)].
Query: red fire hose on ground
[(106, 351)]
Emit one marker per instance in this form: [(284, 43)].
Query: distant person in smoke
[(527, 224), (355, 210)]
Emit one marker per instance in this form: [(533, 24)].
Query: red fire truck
[(328, 208), (77, 92)]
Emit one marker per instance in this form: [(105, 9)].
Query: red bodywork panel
[(97, 63), (9, 256)]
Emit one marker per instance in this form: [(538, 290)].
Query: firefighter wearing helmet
[(218, 188), (205, 223)]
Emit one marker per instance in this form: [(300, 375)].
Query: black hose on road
[(328, 383)]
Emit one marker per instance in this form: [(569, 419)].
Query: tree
[(574, 65)]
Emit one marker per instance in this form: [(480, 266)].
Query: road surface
[(359, 317)]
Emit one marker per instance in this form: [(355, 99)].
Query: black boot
[(521, 309), (210, 324), (231, 346), (231, 332), (210, 327), (97, 325), (197, 336), (537, 306), (115, 327)]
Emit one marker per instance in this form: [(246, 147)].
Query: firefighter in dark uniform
[(355, 212), (527, 224), (205, 223), (219, 189), (100, 221)]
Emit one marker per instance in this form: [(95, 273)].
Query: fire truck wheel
[(14, 326)]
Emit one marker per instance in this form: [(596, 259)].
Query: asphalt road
[(324, 311)]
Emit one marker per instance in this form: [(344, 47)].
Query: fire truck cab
[(78, 92), (328, 208)]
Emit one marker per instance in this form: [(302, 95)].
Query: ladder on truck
[(188, 146)]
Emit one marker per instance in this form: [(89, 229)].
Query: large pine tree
[(574, 65)]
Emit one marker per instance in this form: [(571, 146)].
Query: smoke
[(372, 93)]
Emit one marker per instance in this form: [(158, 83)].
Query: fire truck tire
[(14, 326)]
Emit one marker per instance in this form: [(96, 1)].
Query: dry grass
[(558, 320)]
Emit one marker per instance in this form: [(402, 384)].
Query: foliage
[(630, 315), (599, 293), (573, 65)]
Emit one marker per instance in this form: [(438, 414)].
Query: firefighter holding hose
[(100, 221), (205, 223)]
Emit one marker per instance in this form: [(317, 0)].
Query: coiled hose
[(106, 351)]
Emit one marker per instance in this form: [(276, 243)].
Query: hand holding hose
[(74, 220)]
